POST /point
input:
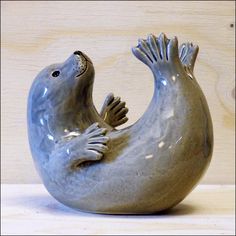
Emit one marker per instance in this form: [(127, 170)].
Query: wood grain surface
[(27, 209), (38, 33)]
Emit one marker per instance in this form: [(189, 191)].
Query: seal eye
[(55, 73)]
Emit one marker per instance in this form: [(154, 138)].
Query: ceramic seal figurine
[(87, 164)]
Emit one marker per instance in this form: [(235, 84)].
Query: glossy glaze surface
[(87, 164)]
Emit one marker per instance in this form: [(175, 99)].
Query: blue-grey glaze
[(150, 166)]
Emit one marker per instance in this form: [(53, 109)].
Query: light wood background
[(36, 34)]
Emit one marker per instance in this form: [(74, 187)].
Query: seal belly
[(146, 172)]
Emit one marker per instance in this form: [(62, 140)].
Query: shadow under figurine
[(150, 166)]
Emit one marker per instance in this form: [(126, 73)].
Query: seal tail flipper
[(156, 51), (188, 54), (114, 111)]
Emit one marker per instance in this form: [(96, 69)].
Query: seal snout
[(80, 54)]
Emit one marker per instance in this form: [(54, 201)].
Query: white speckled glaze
[(150, 166)]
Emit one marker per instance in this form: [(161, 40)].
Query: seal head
[(58, 93), (63, 78)]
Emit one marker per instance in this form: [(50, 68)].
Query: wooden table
[(30, 210)]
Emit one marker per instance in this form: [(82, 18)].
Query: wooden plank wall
[(38, 33)]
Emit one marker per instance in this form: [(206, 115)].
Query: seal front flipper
[(88, 146), (114, 111)]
